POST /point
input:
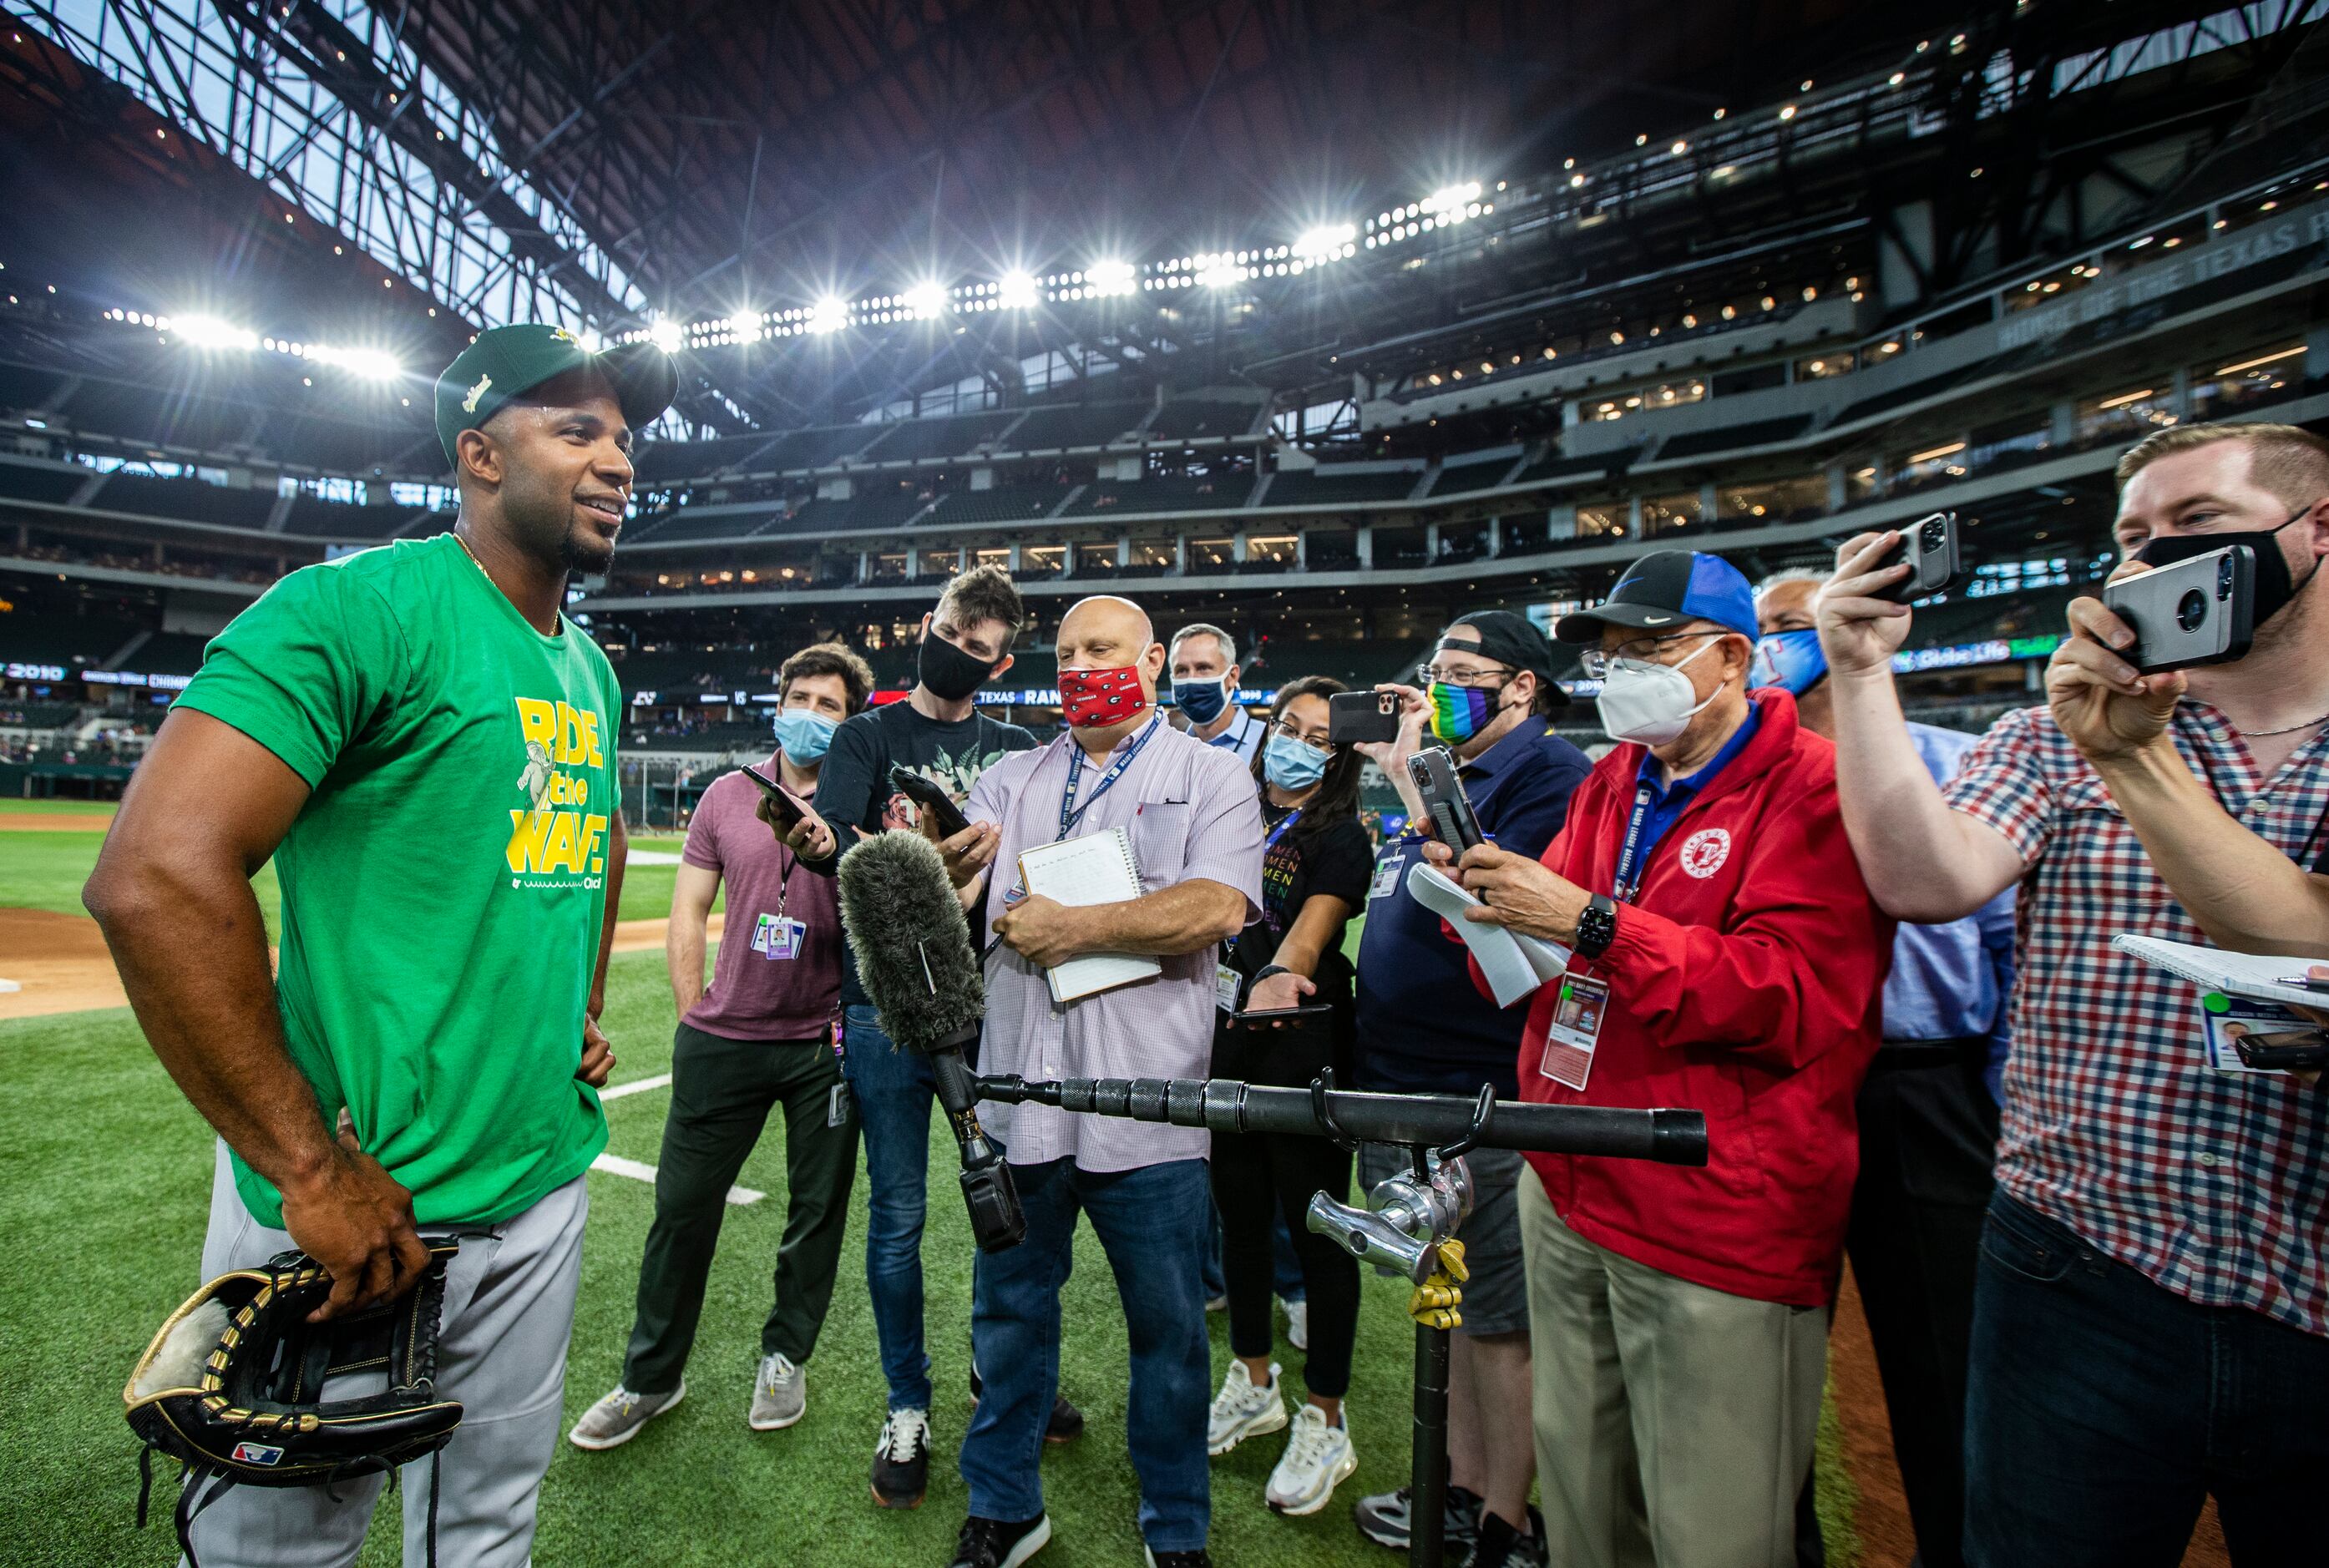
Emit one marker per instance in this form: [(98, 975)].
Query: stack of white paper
[(2249, 974), (1514, 964), (1094, 868)]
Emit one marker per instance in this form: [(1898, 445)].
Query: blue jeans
[(1153, 1224), (893, 1091), (2102, 1409)]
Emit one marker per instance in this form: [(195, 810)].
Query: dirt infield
[(55, 822), (61, 961)]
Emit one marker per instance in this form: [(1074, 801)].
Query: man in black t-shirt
[(938, 733)]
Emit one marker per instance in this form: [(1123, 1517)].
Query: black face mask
[(2273, 588), (951, 674)]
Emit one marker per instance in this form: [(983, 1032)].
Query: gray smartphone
[(2200, 611), (1444, 804), (1931, 548)]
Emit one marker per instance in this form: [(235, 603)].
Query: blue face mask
[(1792, 660), (1201, 700), (1291, 765), (804, 737)]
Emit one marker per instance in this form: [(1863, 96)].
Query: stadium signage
[(128, 677), (36, 672), (2251, 247)]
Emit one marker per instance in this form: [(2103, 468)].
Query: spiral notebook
[(1093, 869)]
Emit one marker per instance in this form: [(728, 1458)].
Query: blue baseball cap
[(1665, 589)]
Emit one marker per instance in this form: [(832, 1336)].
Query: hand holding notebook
[(1093, 869)]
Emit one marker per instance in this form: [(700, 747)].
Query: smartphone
[(1286, 1015), (787, 807), (2200, 611), (1444, 804), (1935, 559), (934, 802), (2282, 1051), (1359, 716)]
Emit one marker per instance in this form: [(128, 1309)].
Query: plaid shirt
[(2215, 1185)]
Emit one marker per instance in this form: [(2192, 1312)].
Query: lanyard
[(1280, 831), (1629, 878), (1071, 813), (1234, 735)]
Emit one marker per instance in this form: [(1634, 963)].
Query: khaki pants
[(1674, 1423)]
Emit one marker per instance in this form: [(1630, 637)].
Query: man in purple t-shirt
[(758, 1037)]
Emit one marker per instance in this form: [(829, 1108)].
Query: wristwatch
[(1596, 926)]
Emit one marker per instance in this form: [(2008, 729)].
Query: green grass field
[(104, 1183)]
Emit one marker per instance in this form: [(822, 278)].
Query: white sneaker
[(615, 1420), (1241, 1411), (1297, 1323), (779, 1394), (1217, 1303), (1318, 1458)]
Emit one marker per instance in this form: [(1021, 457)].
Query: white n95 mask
[(1650, 703)]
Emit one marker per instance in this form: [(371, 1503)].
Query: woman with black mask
[(1315, 861)]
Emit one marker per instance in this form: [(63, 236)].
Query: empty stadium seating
[(1324, 487), (187, 497), (1195, 419), (1214, 494), (23, 482), (1003, 503), (919, 440), (1468, 472), (314, 518), (1077, 425)]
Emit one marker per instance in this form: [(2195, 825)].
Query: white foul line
[(616, 1165), (636, 1087)]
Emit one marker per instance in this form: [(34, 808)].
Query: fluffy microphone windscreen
[(914, 953)]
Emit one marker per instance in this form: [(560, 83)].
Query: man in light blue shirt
[(1928, 1123)]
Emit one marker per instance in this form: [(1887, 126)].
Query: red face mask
[(1093, 698)]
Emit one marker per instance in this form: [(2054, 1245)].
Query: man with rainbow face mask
[(1486, 693)]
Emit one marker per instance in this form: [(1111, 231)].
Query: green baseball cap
[(507, 361)]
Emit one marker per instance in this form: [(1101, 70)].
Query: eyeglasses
[(1438, 675), (1596, 663), (1321, 746)]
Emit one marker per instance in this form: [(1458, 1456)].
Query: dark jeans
[(721, 1091), (1262, 1185), (1928, 1138), (894, 1093), (2103, 1409), (1151, 1222)]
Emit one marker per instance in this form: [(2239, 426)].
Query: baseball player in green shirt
[(425, 745)]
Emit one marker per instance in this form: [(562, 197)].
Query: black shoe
[(901, 1459), (999, 1543), (1199, 1558), (1499, 1546), (1382, 1518), (1067, 1422)]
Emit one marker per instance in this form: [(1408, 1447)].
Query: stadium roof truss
[(323, 102)]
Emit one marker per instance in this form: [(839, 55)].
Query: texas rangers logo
[(469, 403), (1704, 852)]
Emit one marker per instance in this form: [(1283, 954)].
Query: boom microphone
[(915, 960), (1226, 1106)]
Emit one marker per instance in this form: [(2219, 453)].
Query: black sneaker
[(1499, 1546), (1199, 1558), (1067, 1422), (1000, 1544), (1382, 1518), (901, 1459)]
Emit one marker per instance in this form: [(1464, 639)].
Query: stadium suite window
[(998, 556), (2239, 380), (1154, 552), (1668, 513), (1776, 501), (1601, 521), (1042, 558), (1095, 557), (890, 568), (940, 563), (1211, 552), (1281, 549), (2131, 414)]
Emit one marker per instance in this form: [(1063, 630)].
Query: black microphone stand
[(1408, 1216)]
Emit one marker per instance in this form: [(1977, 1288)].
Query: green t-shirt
[(443, 886)]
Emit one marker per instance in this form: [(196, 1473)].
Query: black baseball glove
[(232, 1387)]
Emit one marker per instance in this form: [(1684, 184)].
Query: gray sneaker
[(615, 1420), (780, 1395)]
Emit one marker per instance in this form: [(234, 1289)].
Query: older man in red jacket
[(1727, 957)]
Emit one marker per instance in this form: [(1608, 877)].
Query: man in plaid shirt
[(2152, 1318)]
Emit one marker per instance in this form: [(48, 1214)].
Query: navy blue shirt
[(1423, 1028), (1668, 801)]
